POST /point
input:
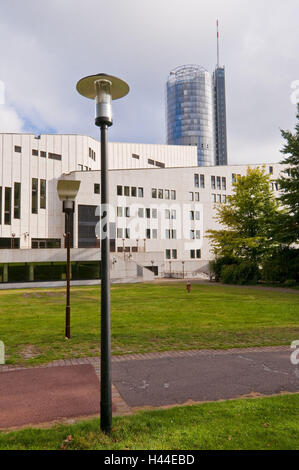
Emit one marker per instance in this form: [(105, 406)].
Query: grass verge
[(250, 424)]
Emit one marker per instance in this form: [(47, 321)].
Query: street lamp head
[(67, 189), (103, 89)]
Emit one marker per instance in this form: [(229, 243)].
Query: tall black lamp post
[(67, 191), (103, 89)]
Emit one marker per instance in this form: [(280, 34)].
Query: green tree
[(247, 219), (288, 222)]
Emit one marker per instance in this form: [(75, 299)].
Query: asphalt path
[(209, 377)]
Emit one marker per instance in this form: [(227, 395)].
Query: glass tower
[(220, 116), (190, 111)]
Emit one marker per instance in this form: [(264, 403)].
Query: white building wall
[(178, 176)]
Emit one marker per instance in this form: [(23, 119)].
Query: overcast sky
[(47, 46)]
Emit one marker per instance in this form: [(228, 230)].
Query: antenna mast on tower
[(218, 44)]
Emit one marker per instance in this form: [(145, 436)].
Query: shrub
[(290, 283), (217, 264), (246, 272), (282, 266)]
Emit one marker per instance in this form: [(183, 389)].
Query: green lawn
[(263, 423), (145, 317)]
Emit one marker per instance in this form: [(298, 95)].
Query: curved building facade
[(189, 111)]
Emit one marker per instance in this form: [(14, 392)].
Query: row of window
[(148, 213), (156, 163), (8, 203), (132, 191), (173, 254), (194, 196), (219, 198), (42, 187), (92, 154), (164, 194), (84, 168), (199, 181), (41, 153), (149, 233), (218, 182)]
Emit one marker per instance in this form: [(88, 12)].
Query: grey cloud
[(50, 45)]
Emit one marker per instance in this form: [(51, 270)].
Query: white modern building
[(161, 206)]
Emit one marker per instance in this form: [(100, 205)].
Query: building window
[(148, 233), (150, 161), (197, 234), (174, 254), (154, 193), (196, 181), (43, 154), (134, 191), (96, 188), (173, 234), (0, 205), (154, 213), (34, 208), (148, 213), (168, 254), (224, 183), (167, 234), (197, 215), (155, 233), (35, 152), (167, 193), (43, 193), (196, 197), (127, 191), (45, 243), (218, 183), (191, 196), (198, 253), (160, 193), (167, 214), (119, 212), (140, 212), (54, 156), (17, 201), (18, 149), (213, 182), (202, 181), (173, 194), (80, 167), (233, 177), (191, 215), (127, 211), (192, 234), (119, 190), (160, 164), (119, 233), (134, 155), (7, 206), (173, 214), (127, 233), (271, 169), (140, 192)]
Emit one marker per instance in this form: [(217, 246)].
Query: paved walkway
[(70, 388)]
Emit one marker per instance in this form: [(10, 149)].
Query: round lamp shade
[(86, 86)]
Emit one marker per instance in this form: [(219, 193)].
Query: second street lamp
[(67, 192), (103, 89)]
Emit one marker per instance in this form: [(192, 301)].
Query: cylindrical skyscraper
[(189, 111)]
